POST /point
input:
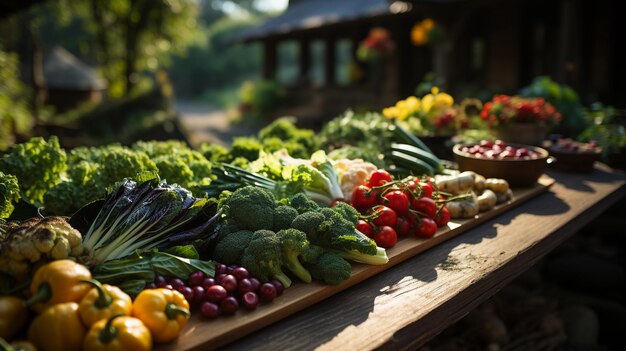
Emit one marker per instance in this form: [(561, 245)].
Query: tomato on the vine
[(378, 178), (427, 190), (365, 228), (443, 217), (386, 237), (425, 206), (384, 216), (397, 201), (363, 198), (403, 226), (426, 229)]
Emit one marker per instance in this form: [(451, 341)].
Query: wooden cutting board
[(202, 334)]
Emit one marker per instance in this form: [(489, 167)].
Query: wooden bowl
[(518, 172)]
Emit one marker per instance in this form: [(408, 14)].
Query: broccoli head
[(327, 228), (327, 266), (263, 257), (311, 224), (283, 216), (229, 249), (302, 203), (251, 208), (346, 211), (293, 244)]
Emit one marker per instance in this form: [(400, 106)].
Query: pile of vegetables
[(73, 311), (88, 231)]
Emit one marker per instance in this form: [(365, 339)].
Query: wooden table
[(406, 305)]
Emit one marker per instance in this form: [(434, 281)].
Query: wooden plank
[(202, 334), (415, 300)]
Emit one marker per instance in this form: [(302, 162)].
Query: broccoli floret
[(230, 249), (283, 216), (327, 228), (348, 212), (10, 193), (251, 208), (311, 224), (302, 203), (227, 227), (293, 244), (330, 268), (263, 257), (214, 152)]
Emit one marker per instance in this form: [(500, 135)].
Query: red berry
[(267, 292), (216, 293), (229, 305), (209, 309), (250, 300)]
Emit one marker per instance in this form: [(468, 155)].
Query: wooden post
[(269, 60), (569, 58), (305, 60), (329, 61)]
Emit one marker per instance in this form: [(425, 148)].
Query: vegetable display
[(157, 231)]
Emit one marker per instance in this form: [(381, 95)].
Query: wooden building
[(69, 82), (487, 45)]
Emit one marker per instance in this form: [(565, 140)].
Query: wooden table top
[(406, 305)]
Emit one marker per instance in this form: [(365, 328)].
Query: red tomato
[(425, 206), (385, 217), (427, 190), (379, 177), (365, 228), (397, 201), (412, 185), (443, 217), (386, 237), (426, 229), (403, 226), (363, 198)]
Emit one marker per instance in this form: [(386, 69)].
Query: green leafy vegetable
[(9, 194), (38, 166)]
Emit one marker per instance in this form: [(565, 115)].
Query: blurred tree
[(15, 117), (133, 35)]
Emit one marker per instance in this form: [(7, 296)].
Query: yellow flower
[(428, 24), (390, 112), (444, 99), (419, 36), (427, 102), (434, 90), (413, 103)]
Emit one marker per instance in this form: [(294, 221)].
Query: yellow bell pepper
[(13, 316), (103, 301), (58, 328), (57, 282), (165, 312), (118, 333)]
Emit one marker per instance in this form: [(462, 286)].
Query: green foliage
[(246, 147), (357, 129), (177, 163), (132, 36), (283, 134), (606, 128), (91, 171), (563, 97), (15, 118), (214, 152), (214, 63), (9, 194), (258, 100), (38, 166)]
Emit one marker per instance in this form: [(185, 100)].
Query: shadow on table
[(579, 181)]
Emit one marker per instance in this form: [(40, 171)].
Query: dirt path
[(205, 123)]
